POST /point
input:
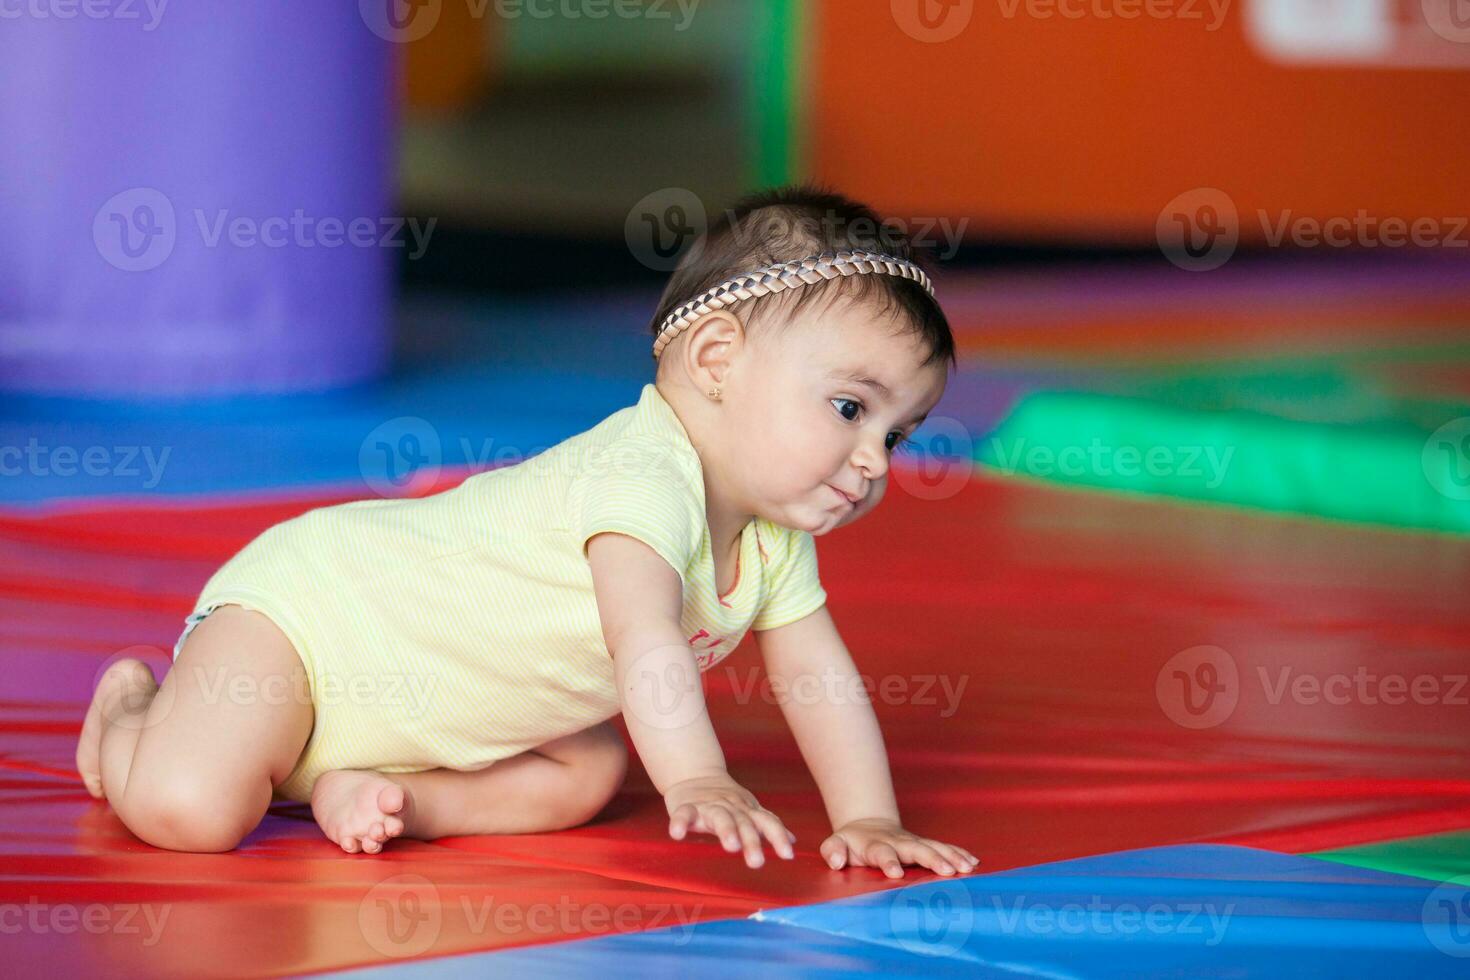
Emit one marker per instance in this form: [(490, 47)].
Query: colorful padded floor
[(1026, 644)]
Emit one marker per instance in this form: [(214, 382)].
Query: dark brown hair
[(789, 223)]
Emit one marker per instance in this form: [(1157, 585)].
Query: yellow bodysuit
[(458, 629)]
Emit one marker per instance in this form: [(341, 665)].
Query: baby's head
[(818, 384)]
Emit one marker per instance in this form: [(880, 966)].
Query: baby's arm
[(639, 600), (840, 740)]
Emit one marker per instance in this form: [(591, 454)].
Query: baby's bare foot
[(123, 687), (359, 809)]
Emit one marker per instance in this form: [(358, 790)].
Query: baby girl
[(451, 664)]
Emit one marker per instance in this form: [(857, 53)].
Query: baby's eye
[(901, 444), (848, 401), (894, 441)]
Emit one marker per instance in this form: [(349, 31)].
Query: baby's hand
[(881, 843), (718, 805)]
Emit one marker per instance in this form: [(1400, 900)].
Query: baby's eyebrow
[(857, 377)]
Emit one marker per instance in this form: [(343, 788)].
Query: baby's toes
[(349, 844), (390, 798), (378, 833), (393, 826), (370, 846)]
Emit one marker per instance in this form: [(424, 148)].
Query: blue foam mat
[(1182, 911)]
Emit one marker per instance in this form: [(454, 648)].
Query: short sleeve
[(796, 589), (638, 486)]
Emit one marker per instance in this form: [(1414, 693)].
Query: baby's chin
[(826, 521)]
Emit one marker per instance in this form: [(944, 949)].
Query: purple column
[(194, 197)]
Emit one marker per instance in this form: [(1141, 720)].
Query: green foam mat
[(1392, 473), (1438, 857)]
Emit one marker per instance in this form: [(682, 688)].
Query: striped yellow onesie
[(454, 630)]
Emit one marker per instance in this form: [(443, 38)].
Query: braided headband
[(783, 276)]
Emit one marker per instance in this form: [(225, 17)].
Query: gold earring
[(714, 393)]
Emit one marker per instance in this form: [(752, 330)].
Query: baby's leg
[(191, 765), (561, 784)]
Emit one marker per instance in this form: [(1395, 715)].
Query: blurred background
[(1208, 267), (1202, 226), (1226, 225)]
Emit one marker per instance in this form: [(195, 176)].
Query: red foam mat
[(1020, 632)]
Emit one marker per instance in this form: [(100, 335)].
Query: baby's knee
[(595, 778), (185, 813)]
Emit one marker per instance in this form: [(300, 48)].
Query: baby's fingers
[(751, 838), (924, 853), (834, 852), (775, 832), (680, 820), (883, 855), (957, 856), (720, 823)]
